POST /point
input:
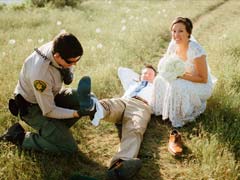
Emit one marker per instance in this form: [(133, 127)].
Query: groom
[(133, 111)]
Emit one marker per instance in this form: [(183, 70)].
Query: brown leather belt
[(140, 99)]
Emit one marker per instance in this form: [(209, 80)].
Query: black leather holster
[(18, 105)]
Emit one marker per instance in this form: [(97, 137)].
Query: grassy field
[(129, 33)]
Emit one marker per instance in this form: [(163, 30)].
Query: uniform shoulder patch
[(40, 85)]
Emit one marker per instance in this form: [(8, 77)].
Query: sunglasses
[(71, 62)]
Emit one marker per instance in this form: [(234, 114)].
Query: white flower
[(29, 40), (123, 21), (12, 41), (123, 28), (171, 68), (92, 48), (131, 17), (99, 46), (98, 30), (40, 40), (59, 23), (62, 31), (224, 36), (127, 10), (145, 20)]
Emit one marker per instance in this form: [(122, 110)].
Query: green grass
[(211, 143)]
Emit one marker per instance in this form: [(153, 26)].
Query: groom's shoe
[(84, 93), (124, 169), (175, 143), (85, 98)]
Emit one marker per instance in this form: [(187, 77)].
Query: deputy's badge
[(40, 85)]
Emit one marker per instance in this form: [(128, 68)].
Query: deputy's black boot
[(14, 134)]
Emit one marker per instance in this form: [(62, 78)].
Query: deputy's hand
[(90, 113), (76, 115), (81, 113)]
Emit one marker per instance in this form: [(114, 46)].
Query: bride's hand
[(182, 76)]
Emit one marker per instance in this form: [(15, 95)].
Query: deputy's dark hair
[(187, 23), (150, 67), (67, 45)]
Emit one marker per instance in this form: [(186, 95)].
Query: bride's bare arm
[(201, 75)]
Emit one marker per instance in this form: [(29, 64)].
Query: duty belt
[(19, 105)]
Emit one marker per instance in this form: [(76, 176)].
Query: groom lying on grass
[(133, 111)]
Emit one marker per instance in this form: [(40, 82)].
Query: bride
[(183, 99)]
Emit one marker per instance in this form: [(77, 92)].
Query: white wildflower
[(145, 20), (127, 10), (4, 54), (145, 8), (171, 68), (99, 46), (40, 40), (224, 36), (62, 31), (59, 23), (29, 40), (98, 30), (174, 6), (12, 41), (123, 21), (123, 28), (131, 17)]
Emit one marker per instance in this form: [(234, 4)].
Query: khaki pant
[(134, 116)]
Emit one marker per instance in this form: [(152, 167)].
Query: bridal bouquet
[(171, 68)]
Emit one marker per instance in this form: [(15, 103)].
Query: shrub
[(18, 7), (2, 6), (55, 3), (38, 3)]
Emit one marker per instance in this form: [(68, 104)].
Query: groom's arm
[(127, 77)]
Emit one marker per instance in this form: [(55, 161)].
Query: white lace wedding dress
[(180, 100)]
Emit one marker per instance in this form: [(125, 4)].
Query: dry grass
[(211, 143)]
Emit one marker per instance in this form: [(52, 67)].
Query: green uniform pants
[(53, 134)]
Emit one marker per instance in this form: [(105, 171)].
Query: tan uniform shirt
[(39, 82)]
